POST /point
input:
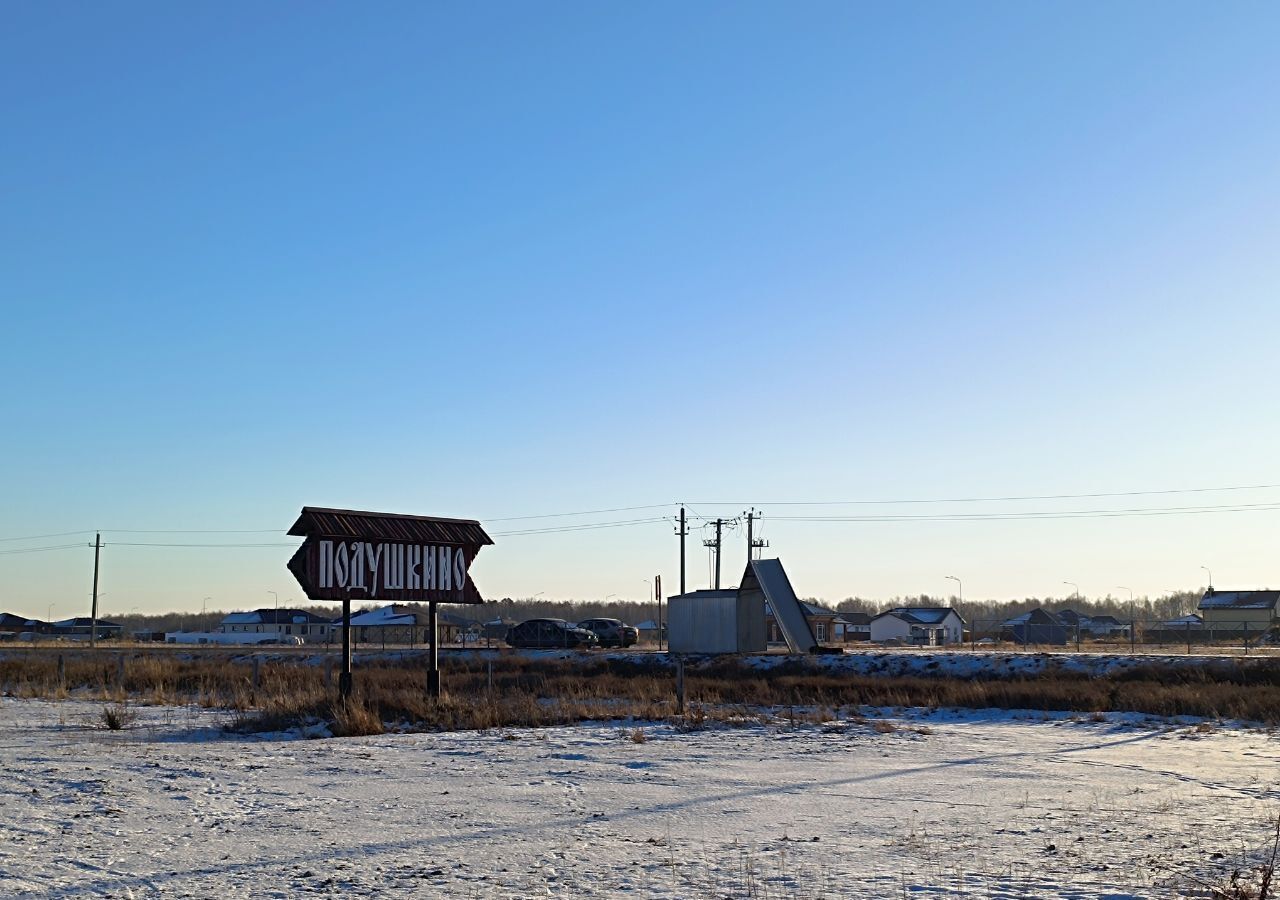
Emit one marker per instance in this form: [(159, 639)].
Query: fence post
[(257, 680), (490, 668), (62, 672), (1188, 637), (1246, 638), (679, 685), (120, 672)]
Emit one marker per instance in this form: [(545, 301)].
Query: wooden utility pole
[(752, 544), (683, 532), (93, 613), (657, 590), (715, 547)]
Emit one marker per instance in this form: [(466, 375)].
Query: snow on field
[(957, 804)]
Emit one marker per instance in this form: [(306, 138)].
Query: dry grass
[(536, 692)]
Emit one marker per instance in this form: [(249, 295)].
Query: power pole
[(715, 547), (93, 615), (657, 590), (753, 545), (683, 532)]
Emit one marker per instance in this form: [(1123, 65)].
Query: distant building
[(81, 628), (1035, 627), (14, 627), (1255, 611), (400, 624), (286, 624), (928, 626), (829, 626)]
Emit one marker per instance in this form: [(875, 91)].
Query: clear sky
[(511, 259)]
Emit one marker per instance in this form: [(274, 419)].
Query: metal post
[(433, 655), (257, 677), (120, 672), (344, 679), (1246, 638), (62, 672), (679, 685), (93, 615), (1188, 637), (684, 531), (657, 589), (719, 526)]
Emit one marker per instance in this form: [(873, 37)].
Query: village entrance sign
[(356, 555)]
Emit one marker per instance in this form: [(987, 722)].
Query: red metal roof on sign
[(354, 523)]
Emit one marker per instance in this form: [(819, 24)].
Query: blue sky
[(505, 259)]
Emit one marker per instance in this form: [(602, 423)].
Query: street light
[(959, 587), (277, 596), (1206, 568), (1132, 615), (1077, 612)]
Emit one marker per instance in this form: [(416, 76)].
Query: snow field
[(954, 804)]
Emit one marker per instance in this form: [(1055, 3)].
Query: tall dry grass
[(524, 691)]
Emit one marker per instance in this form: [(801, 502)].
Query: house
[(1191, 621), (81, 628), (827, 625), (13, 627), (401, 624), (924, 625), (1035, 627), (857, 626), (1106, 626), (1242, 611), (283, 624)]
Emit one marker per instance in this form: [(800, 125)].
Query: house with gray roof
[(290, 626), (1240, 611), (928, 626)]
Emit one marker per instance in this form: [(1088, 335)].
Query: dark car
[(612, 632), (546, 634)]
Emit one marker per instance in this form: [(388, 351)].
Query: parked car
[(612, 632), (543, 634)]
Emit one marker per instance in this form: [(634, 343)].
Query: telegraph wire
[(585, 512), (1208, 490), (38, 537), (42, 549), (1046, 515)]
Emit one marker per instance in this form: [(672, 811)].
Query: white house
[(926, 625), (282, 623)]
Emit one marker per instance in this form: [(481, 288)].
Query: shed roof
[(353, 523), (1264, 599)]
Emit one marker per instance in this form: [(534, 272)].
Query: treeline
[(1144, 609), (518, 609)]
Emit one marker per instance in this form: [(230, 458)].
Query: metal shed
[(715, 621)]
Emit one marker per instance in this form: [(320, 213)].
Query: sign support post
[(433, 655), (344, 680)]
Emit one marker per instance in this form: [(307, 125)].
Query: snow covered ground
[(964, 804)]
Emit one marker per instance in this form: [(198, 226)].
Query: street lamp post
[(973, 626), (1206, 568), (277, 596), (1077, 612), (1132, 616)]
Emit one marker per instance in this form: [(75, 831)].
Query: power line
[(584, 527), (206, 546), (1208, 490), (37, 537), (43, 549), (1047, 515), (585, 512)]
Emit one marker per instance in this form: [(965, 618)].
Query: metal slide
[(767, 578)]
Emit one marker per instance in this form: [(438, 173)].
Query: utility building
[(732, 620)]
